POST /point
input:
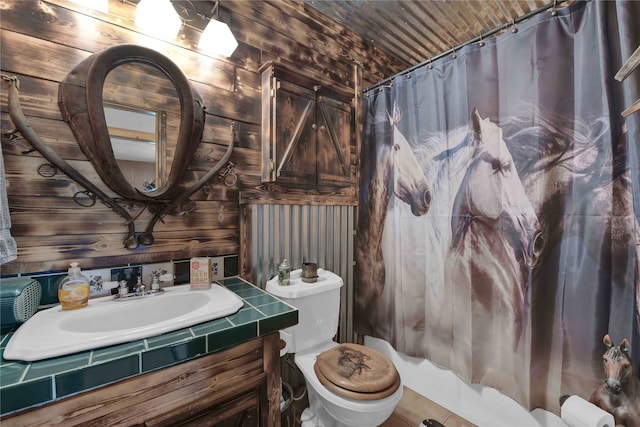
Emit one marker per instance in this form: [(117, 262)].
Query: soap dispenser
[(73, 291)]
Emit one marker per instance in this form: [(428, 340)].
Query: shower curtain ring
[(430, 64), (513, 27), (481, 42), (453, 52), (554, 12)]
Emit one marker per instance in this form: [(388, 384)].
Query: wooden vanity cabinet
[(307, 130), (239, 386)]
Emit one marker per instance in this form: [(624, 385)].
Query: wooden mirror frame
[(81, 103)]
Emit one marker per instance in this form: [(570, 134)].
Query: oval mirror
[(137, 119), (142, 111)]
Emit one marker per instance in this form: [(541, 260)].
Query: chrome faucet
[(139, 291)]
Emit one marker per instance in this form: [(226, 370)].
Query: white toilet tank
[(318, 305)]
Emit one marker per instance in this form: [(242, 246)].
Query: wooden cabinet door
[(307, 132), (333, 161), (240, 411), (294, 142)]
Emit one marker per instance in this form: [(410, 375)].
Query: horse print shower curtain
[(498, 212)]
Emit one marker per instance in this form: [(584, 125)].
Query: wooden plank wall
[(41, 41)]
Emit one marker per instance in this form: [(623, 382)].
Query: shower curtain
[(527, 254)]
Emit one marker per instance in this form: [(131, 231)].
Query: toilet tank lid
[(297, 288)]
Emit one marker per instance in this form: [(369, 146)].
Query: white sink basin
[(54, 332)]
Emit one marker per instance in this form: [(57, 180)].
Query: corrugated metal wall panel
[(413, 31), (301, 233)]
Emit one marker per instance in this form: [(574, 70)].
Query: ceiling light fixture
[(158, 18), (217, 37)]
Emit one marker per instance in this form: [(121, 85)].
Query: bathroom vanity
[(222, 372)]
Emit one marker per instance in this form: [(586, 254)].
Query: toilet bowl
[(337, 396), (328, 409)]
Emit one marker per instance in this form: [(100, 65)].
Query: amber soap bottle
[(73, 291)]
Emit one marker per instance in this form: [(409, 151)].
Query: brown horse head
[(617, 365)]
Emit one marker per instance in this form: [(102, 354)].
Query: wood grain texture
[(210, 417), (274, 194), (271, 396), (414, 408), (243, 374), (41, 41), (357, 368), (245, 261)]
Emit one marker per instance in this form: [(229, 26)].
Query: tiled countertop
[(27, 384)]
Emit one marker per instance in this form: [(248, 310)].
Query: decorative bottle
[(73, 291), (284, 273)]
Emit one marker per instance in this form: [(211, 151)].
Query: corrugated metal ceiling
[(412, 31)]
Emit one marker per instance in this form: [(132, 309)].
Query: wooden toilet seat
[(357, 372)]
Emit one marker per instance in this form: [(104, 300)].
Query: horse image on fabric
[(469, 256), (581, 190), (528, 253), (458, 283), (496, 242), (393, 171)]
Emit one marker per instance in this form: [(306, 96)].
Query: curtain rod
[(474, 40)]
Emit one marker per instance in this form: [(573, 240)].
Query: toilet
[(347, 384)]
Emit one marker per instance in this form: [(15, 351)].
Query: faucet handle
[(123, 288), (155, 283)]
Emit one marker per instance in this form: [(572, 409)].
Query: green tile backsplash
[(23, 385)]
